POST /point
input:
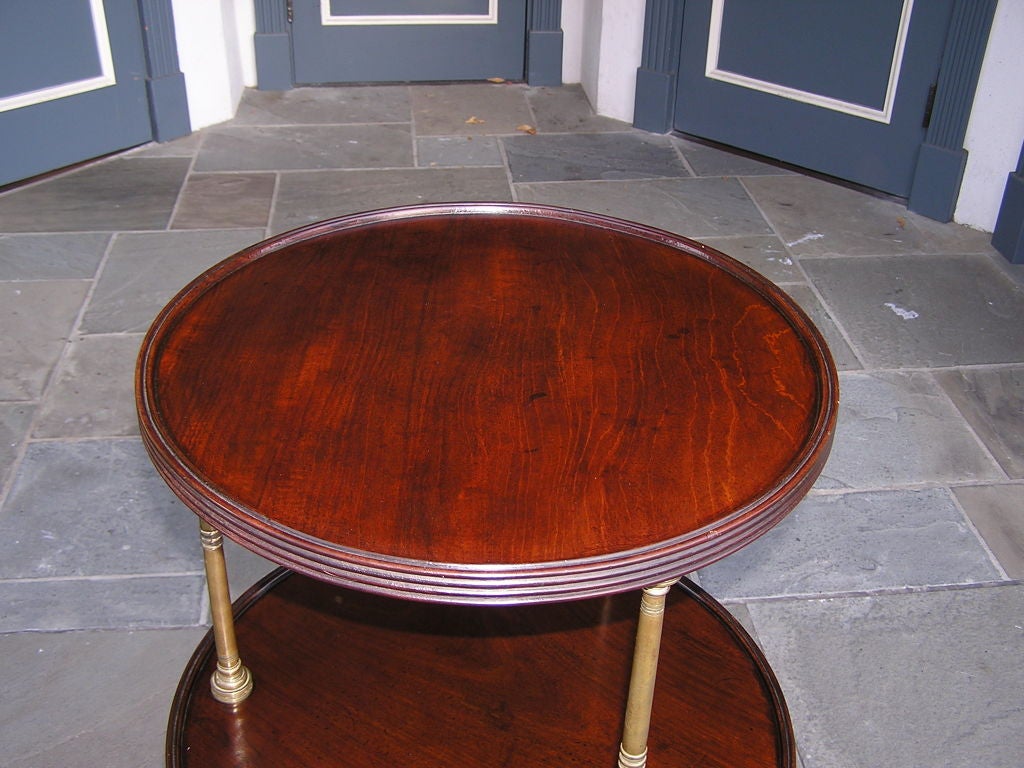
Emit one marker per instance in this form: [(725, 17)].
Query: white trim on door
[(883, 115), (105, 79), (329, 19)]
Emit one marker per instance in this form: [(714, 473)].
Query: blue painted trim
[(165, 82), (271, 16), (937, 179), (1008, 237), (654, 103), (544, 42), (273, 44), (544, 57), (274, 62), (545, 15), (941, 162), (168, 107)]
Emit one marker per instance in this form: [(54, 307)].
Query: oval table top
[(476, 403)]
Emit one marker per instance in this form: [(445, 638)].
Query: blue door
[(840, 87), (72, 83), (356, 41)]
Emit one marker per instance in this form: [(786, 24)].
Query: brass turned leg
[(633, 750), (231, 682)]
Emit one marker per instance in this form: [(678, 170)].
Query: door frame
[(161, 114), (273, 42), (1008, 236), (942, 157), (165, 82)]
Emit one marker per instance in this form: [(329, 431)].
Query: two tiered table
[(485, 441)]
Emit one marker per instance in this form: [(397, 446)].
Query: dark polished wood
[(486, 402), (352, 679)]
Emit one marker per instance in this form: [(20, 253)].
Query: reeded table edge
[(493, 583)]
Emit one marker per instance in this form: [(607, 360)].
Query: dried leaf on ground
[(524, 128), (474, 120), (495, 79)]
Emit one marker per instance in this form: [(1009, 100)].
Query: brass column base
[(231, 686), (627, 760), (231, 682)]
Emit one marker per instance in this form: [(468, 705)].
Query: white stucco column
[(215, 51), (603, 46), (996, 127), (572, 40)]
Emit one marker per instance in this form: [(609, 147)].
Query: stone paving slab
[(902, 681), (694, 208), (59, 605), (764, 253), (857, 542), (843, 356), (591, 156), (37, 318), (265, 148), (52, 257), (566, 109), (89, 699), (706, 160), (337, 105), (225, 200), (469, 109), (92, 393), (899, 428), (123, 193), (145, 270), (93, 508), (186, 146), (443, 151), (303, 198), (923, 311), (992, 401), (15, 419), (816, 218), (997, 511)]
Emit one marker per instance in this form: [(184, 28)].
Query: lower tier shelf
[(346, 678)]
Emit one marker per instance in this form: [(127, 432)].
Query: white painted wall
[(572, 41), (996, 129), (593, 51), (623, 39), (607, 42), (215, 50)]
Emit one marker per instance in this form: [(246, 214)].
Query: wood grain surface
[(502, 403), (346, 678)]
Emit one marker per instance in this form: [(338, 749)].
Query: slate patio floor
[(890, 603)]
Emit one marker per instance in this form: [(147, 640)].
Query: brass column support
[(633, 750), (231, 682)]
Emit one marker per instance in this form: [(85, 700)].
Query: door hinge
[(290, 11), (929, 105)]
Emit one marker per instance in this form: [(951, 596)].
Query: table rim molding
[(493, 583)]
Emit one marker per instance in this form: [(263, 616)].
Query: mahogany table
[(472, 433)]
